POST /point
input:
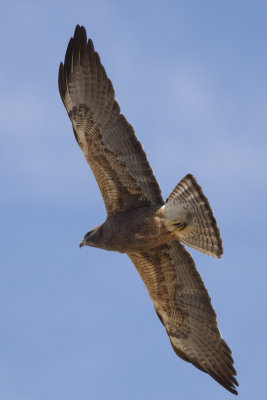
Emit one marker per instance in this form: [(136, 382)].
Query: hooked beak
[(83, 243)]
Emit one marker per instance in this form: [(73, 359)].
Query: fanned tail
[(189, 216)]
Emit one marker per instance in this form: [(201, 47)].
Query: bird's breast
[(135, 230)]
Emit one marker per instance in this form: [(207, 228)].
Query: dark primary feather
[(108, 141), (184, 307)]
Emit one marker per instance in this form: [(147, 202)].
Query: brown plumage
[(139, 223)]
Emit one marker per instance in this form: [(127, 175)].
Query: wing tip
[(79, 32), (77, 42), (61, 81), (80, 35), (228, 383)]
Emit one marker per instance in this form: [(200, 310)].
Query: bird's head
[(92, 237)]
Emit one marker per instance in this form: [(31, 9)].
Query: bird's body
[(139, 222), (130, 231)]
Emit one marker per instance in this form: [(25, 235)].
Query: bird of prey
[(139, 222)]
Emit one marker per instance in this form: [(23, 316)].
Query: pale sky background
[(191, 77)]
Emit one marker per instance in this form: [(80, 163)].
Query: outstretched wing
[(184, 307), (108, 141)]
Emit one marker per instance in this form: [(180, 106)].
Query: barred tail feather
[(189, 216)]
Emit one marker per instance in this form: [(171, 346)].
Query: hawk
[(139, 223)]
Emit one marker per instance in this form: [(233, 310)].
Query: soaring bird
[(139, 222)]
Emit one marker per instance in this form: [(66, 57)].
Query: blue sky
[(191, 78)]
